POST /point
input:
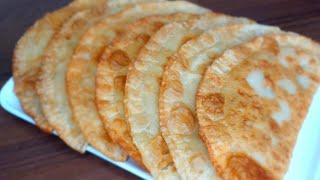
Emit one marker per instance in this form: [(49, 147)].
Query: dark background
[(27, 153)]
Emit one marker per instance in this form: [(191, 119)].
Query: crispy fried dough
[(82, 68), (112, 71), (28, 53), (252, 101), (52, 89), (179, 125), (142, 87)]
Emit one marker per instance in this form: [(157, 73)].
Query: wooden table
[(27, 153)]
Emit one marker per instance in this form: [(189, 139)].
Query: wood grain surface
[(27, 153)]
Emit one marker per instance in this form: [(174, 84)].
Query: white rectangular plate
[(304, 165)]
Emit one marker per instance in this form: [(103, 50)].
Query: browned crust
[(104, 32), (52, 90), (80, 69), (111, 76), (27, 59), (143, 83), (179, 125), (232, 150)]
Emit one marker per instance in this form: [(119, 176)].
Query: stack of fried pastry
[(185, 92)]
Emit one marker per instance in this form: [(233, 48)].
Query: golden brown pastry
[(252, 101)]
